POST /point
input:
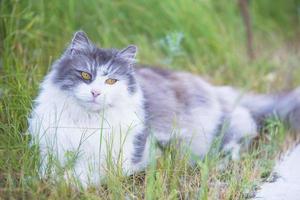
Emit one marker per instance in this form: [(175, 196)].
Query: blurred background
[(251, 44), (202, 36)]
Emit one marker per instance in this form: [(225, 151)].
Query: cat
[(100, 104)]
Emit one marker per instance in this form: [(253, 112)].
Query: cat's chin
[(92, 106)]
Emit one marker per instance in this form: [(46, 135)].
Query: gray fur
[(178, 104), (170, 96), (139, 146), (285, 106), (171, 103), (82, 55)]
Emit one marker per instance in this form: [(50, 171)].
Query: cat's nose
[(95, 93)]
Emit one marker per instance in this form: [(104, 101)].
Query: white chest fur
[(61, 127)]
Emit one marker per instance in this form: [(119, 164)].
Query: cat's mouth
[(96, 106), (93, 102), (92, 105)]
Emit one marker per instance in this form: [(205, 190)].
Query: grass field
[(205, 37)]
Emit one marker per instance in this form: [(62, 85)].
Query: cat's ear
[(128, 53), (80, 43)]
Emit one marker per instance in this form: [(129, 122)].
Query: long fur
[(145, 101)]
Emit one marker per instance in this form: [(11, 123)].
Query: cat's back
[(181, 103), (174, 87), (179, 100)]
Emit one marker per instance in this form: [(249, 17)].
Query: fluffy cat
[(97, 103)]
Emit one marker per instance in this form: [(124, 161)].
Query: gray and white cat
[(97, 103)]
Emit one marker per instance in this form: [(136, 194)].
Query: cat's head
[(95, 77)]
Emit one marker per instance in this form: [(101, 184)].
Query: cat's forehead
[(95, 58), (101, 61), (101, 56)]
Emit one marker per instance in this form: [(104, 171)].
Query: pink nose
[(95, 93)]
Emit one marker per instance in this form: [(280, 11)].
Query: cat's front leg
[(87, 175)]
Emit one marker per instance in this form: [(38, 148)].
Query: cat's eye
[(85, 76), (111, 81)]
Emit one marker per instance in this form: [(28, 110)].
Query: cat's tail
[(285, 106)]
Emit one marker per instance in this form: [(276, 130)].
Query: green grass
[(204, 37)]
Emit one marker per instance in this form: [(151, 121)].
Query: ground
[(287, 182)]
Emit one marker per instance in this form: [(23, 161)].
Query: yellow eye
[(111, 81), (85, 76)]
